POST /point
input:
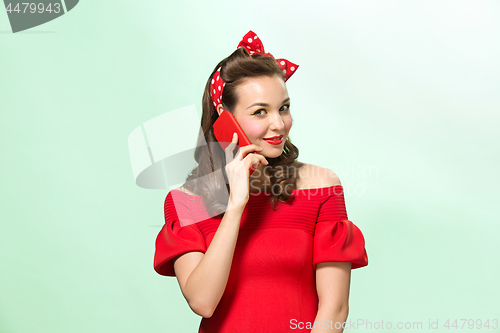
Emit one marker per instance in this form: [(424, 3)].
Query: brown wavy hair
[(209, 178)]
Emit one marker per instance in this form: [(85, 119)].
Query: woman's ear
[(219, 109)]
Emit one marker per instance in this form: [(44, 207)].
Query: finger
[(256, 159), (230, 148), (250, 148), (263, 159), (248, 162)]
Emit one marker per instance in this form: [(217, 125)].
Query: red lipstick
[(275, 140)]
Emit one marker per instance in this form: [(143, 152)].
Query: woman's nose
[(277, 122)]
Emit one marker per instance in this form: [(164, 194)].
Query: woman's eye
[(287, 107), (257, 112)]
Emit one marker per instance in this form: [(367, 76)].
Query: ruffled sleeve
[(178, 235), (336, 239)]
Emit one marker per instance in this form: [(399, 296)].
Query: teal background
[(400, 99)]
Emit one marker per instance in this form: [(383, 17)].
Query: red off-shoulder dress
[(271, 285)]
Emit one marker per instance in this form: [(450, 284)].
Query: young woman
[(270, 251)]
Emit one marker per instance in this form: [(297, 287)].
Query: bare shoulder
[(313, 176)]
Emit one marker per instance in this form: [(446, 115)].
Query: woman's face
[(263, 112)]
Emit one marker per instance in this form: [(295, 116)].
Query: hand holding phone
[(224, 128)]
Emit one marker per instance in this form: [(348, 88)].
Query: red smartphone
[(224, 128)]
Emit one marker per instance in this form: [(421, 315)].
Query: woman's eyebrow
[(265, 104)]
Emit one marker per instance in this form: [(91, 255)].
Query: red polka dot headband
[(253, 45)]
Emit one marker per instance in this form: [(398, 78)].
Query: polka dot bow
[(253, 44)]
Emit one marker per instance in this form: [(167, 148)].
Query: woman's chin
[(272, 154)]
